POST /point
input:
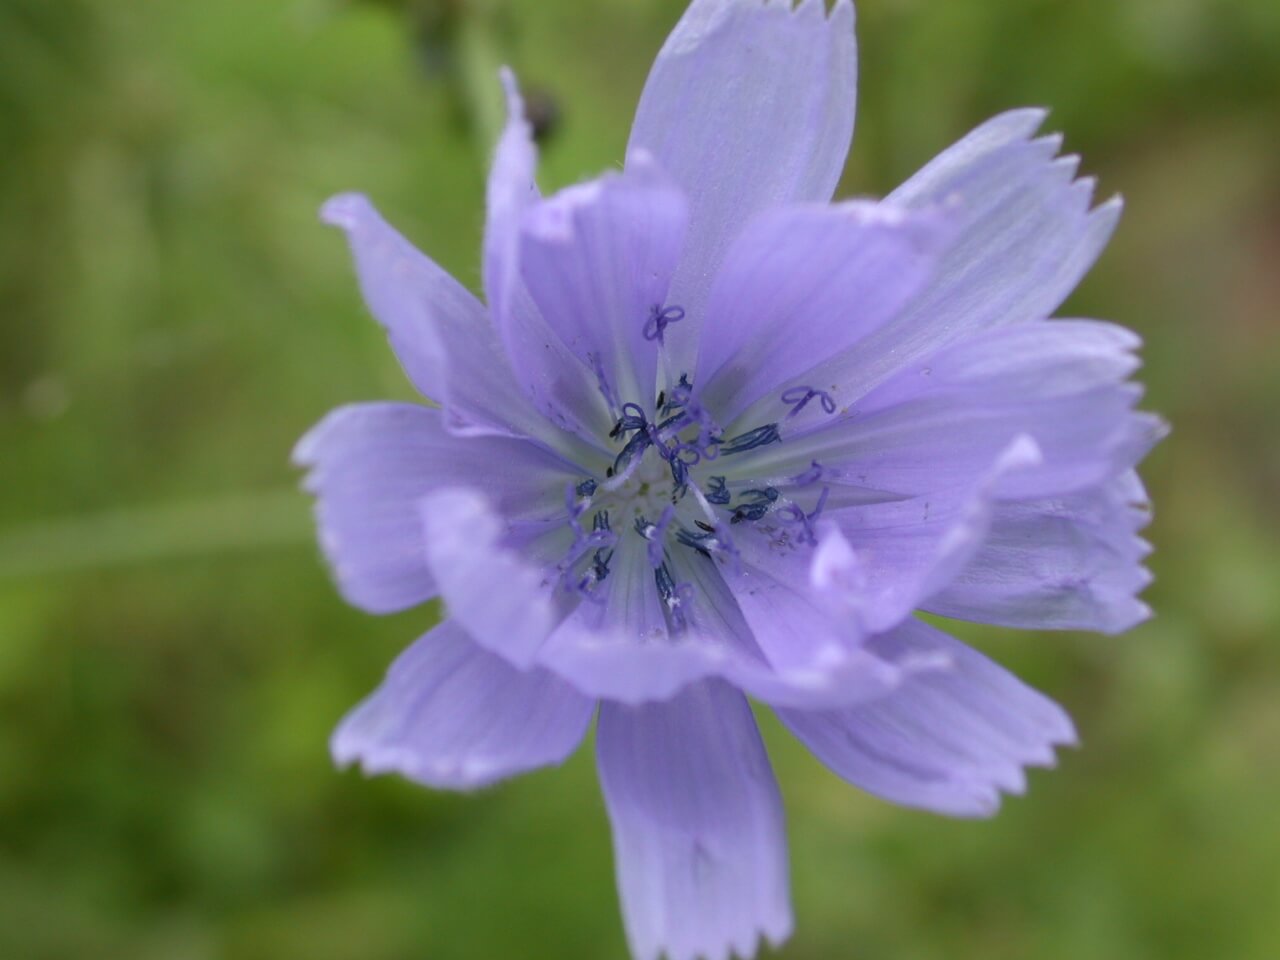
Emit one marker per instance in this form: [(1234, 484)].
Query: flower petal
[(749, 105), (1023, 207), (371, 464), (877, 564), (513, 604), (698, 827), (1071, 563), (451, 715), (1024, 238), (812, 654), (794, 629), (510, 599), (812, 607), (626, 646), (949, 740), (512, 190), (621, 651), (597, 259), (800, 284), (504, 603), (440, 332), (556, 383), (939, 424)]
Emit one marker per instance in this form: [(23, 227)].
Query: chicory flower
[(714, 437)]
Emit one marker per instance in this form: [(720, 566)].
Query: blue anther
[(600, 564), (632, 419), (798, 398), (759, 437), (767, 495), (660, 318), (679, 476), (674, 596), (656, 534), (587, 488), (599, 542), (696, 541), (666, 585), (718, 493), (636, 445), (679, 396), (673, 424), (686, 412), (750, 512), (595, 574)]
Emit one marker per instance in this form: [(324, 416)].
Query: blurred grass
[(172, 655)]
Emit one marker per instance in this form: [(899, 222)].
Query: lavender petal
[(877, 564), (748, 106), (371, 464), (1024, 236), (801, 284), (1070, 563), (597, 259), (949, 741), (939, 424), (697, 823), (504, 602), (440, 332), (452, 716), (553, 382)]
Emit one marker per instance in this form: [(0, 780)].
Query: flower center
[(645, 492), (666, 487)]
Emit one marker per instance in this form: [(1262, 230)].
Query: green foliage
[(173, 656)]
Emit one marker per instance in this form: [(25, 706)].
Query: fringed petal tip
[(1007, 135), (458, 774), (949, 741), (698, 828), (453, 716), (365, 465), (1114, 205), (1102, 217), (772, 932), (316, 447), (839, 15), (350, 749), (306, 451)]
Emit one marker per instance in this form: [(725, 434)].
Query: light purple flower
[(715, 438)]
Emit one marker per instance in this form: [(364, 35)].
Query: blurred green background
[(173, 656)]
